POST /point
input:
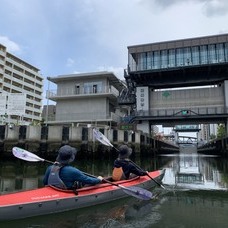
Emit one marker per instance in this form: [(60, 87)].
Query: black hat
[(124, 151), (66, 155)]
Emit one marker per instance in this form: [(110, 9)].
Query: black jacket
[(128, 167)]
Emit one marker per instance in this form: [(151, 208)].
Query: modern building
[(22, 81), (87, 98), (178, 82)]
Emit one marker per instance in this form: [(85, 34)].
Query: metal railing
[(183, 112), (74, 92)]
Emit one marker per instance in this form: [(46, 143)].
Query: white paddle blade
[(101, 138), (25, 155)]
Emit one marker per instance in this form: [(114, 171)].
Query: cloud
[(118, 71), (10, 45), (215, 8), (70, 62), (210, 8)]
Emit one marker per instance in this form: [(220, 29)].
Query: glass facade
[(195, 55)]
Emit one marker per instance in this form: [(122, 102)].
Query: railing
[(74, 92), (85, 116), (183, 112)]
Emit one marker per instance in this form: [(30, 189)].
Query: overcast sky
[(75, 36)]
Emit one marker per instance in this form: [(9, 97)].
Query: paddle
[(162, 186), (101, 138), (137, 192)]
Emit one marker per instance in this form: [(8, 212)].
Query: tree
[(221, 131)]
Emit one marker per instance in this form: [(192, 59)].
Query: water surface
[(195, 196)]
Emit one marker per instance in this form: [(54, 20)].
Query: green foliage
[(221, 131), (212, 137)]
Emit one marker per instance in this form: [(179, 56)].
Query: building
[(87, 98), (178, 82), (17, 78)]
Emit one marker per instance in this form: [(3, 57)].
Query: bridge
[(178, 82)]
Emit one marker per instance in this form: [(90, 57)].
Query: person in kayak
[(124, 167), (64, 176)]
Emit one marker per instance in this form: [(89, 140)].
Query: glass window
[(195, 55), (142, 61), (203, 54), (212, 58), (149, 60), (164, 59), (220, 51), (132, 62), (156, 62), (171, 58), (226, 52), (93, 87), (180, 56), (187, 56), (77, 89)]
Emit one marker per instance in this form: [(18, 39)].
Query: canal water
[(196, 195)]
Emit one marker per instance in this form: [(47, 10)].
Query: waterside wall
[(46, 140)]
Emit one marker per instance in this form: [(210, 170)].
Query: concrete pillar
[(176, 136)]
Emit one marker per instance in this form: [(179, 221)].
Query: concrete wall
[(37, 138), (191, 99), (89, 109)]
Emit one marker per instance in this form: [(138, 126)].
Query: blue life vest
[(54, 178)]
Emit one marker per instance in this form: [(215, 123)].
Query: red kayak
[(48, 200)]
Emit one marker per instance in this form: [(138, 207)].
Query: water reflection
[(194, 171), (195, 194)]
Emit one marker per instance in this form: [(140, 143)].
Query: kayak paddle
[(137, 192)]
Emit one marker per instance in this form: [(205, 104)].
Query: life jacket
[(118, 174), (54, 178)]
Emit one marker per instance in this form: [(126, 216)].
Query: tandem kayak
[(47, 200)]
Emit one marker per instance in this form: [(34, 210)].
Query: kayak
[(47, 200)]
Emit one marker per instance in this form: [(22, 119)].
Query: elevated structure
[(20, 77), (178, 82)]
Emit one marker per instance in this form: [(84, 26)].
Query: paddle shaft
[(148, 175)]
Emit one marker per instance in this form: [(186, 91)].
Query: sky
[(77, 36)]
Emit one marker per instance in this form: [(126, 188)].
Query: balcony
[(72, 93), (84, 117)]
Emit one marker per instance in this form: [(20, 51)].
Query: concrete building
[(87, 98), (178, 82), (19, 77)]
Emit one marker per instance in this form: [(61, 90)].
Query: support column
[(176, 137)]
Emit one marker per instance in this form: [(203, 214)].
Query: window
[(156, 60), (187, 56), (212, 58), (171, 58), (203, 54), (195, 55), (164, 59), (226, 52), (77, 89), (220, 52), (93, 87), (180, 56)]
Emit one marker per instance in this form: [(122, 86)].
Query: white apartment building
[(19, 77), (87, 98)]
